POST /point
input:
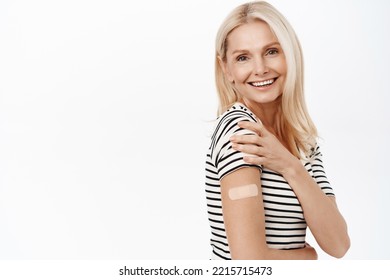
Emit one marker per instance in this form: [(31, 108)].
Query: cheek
[(281, 66), (241, 72)]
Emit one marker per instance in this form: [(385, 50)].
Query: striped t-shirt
[(285, 224)]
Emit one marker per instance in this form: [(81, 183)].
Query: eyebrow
[(265, 47)]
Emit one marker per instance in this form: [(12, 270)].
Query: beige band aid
[(243, 192)]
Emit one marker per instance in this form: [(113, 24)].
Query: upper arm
[(244, 218)]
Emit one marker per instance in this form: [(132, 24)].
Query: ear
[(225, 69)]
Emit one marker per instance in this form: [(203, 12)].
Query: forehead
[(252, 35)]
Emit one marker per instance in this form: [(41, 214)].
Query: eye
[(242, 58), (272, 51)]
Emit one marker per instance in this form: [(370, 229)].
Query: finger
[(258, 127), (249, 149), (254, 160), (263, 129), (247, 139), (255, 127)]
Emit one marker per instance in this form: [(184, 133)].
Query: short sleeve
[(318, 171), (225, 158)]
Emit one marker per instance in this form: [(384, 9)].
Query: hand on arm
[(245, 223), (321, 213)]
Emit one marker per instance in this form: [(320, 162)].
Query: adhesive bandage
[(243, 192)]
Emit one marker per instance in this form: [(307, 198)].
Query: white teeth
[(263, 83)]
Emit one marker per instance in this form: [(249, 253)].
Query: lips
[(264, 83)]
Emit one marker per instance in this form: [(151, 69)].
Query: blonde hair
[(294, 123)]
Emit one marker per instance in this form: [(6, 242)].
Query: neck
[(268, 113)]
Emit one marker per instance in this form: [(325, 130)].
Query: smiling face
[(255, 63)]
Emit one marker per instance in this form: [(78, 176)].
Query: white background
[(106, 108)]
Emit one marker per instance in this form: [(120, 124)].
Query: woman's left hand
[(264, 148)]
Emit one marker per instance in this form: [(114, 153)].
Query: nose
[(260, 67)]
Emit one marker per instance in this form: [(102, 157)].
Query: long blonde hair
[(295, 125)]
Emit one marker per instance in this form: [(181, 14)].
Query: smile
[(263, 83)]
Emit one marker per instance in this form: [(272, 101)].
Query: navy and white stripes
[(284, 220)]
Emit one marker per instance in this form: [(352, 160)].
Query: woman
[(265, 182)]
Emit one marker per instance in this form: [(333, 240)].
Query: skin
[(254, 55)]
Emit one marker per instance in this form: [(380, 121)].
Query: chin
[(265, 99)]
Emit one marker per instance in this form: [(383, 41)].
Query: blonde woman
[(265, 181)]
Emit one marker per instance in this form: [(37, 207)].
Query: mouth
[(263, 84)]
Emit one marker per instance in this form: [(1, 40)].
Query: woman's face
[(255, 63)]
